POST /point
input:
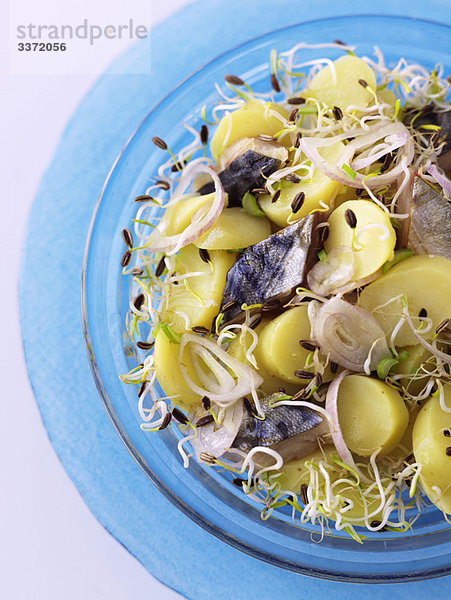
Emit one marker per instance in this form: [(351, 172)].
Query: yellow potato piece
[(357, 510), (271, 384), (169, 375), (201, 297), (346, 89), (405, 445), (278, 346), (424, 281), (388, 97), (374, 237), (346, 193), (253, 119), (371, 414), (295, 474), (178, 216), (417, 356), (430, 446), (319, 188), (234, 228)]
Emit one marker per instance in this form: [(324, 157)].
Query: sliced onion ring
[(217, 439), (337, 435), (358, 283), (392, 143), (349, 335), (403, 206), (437, 353), (335, 271), (441, 179), (363, 137), (159, 242), (226, 390)]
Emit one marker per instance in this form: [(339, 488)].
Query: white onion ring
[(159, 242), (329, 275), (349, 334), (337, 435), (354, 284), (226, 391), (362, 137), (437, 353), (216, 440), (403, 207), (441, 179), (397, 140)]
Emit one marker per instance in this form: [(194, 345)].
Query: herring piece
[(444, 121), (403, 207), (245, 166), (271, 149), (292, 431), (444, 162), (430, 221), (429, 116), (273, 267)]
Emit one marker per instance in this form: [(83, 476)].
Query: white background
[(88, 50), (51, 547)]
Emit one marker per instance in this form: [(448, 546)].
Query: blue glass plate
[(203, 494)]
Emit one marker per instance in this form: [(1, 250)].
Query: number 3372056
[(41, 46)]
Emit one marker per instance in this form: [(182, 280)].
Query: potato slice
[(424, 281), (271, 384), (201, 296), (319, 188), (278, 346), (417, 356), (431, 446), (346, 193), (373, 239), (295, 474), (234, 229), (371, 414), (178, 216), (388, 97), (345, 90), (253, 119), (169, 375), (405, 445), (359, 504)]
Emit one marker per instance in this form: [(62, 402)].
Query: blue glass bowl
[(203, 494)]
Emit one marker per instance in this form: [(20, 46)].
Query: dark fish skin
[(444, 162), (279, 424), (429, 116), (247, 172), (291, 431), (403, 206), (430, 221), (444, 121), (273, 267)]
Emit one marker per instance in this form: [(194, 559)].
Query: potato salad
[(290, 287)]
